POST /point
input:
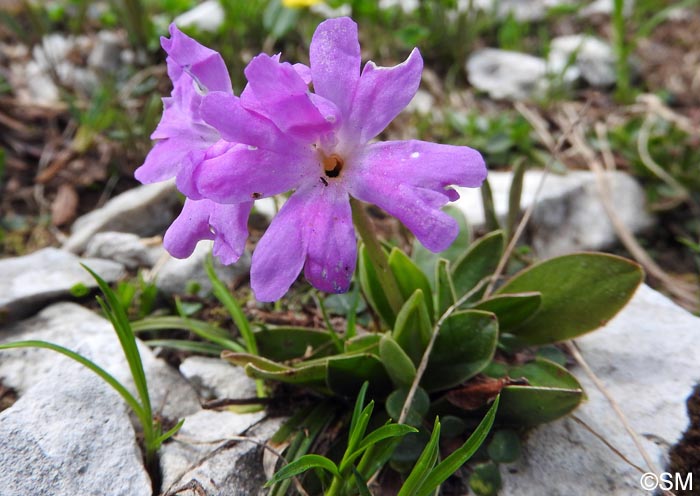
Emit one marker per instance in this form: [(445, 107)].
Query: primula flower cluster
[(227, 151)]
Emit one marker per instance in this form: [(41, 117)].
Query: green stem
[(377, 255)]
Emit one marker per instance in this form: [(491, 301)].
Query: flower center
[(332, 165)]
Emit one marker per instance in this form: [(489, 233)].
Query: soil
[(685, 456), (8, 396)]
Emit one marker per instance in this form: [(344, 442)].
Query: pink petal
[(276, 91), (190, 227), (245, 173), (335, 61), (230, 226), (410, 179), (205, 65), (382, 93), (313, 230)]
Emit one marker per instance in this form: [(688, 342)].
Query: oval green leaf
[(410, 278), (512, 310), (580, 293), (480, 261), (396, 362), (286, 343)]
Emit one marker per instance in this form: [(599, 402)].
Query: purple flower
[(183, 140), (279, 137)]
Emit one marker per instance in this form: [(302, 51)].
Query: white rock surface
[(215, 378), (222, 469), (504, 74), (175, 274), (32, 280), (125, 248), (594, 58), (605, 7), (569, 215), (207, 16), (145, 210), (106, 53), (521, 10), (649, 360), (83, 331), (70, 434)]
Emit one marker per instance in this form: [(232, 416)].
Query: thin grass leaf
[(301, 465), (205, 333), (167, 435), (460, 456), (514, 197), (360, 483), (490, 216), (108, 378), (351, 317), (359, 403), (385, 432), (424, 465), (179, 323), (232, 306), (326, 319), (185, 345)]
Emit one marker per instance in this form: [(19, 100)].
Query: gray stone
[(70, 434), (106, 52), (569, 215), (521, 10), (232, 468), (504, 74), (605, 7), (125, 248), (145, 210), (649, 360), (215, 378), (83, 331), (32, 280), (594, 58), (207, 16), (175, 275)]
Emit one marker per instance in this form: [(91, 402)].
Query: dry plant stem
[(428, 349), (607, 443), (541, 128), (650, 163), (573, 349), (577, 140)]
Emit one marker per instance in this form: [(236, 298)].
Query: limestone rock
[(648, 358), (70, 434), (207, 16), (125, 248), (594, 58), (569, 215), (32, 280), (146, 210), (175, 274), (504, 74), (215, 378)]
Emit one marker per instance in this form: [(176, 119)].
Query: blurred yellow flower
[(299, 3)]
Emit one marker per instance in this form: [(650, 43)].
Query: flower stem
[(377, 255)]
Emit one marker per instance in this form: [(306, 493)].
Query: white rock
[(28, 282), (594, 58), (605, 7), (145, 210), (507, 75), (569, 215), (233, 468), (215, 378), (175, 275), (521, 10), (649, 360), (207, 16), (407, 6), (106, 53), (83, 331), (125, 248), (70, 434), (422, 103)]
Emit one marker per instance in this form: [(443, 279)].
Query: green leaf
[(419, 406), (384, 432), (413, 327), (185, 345), (202, 329), (396, 362), (307, 373), (580, 293), (427, 260), (444, 287), (465, 345), (372, 289), (461, 455), (504, 446), (79, 290), (301, 465), (514, 196), (366, 343), (480, 261), (286, 343), (410, 278), (553, 392), (512, 310), (485, 480), (424, 465), (347, 373)]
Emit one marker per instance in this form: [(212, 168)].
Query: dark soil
[(685, 456), (8, 396)]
